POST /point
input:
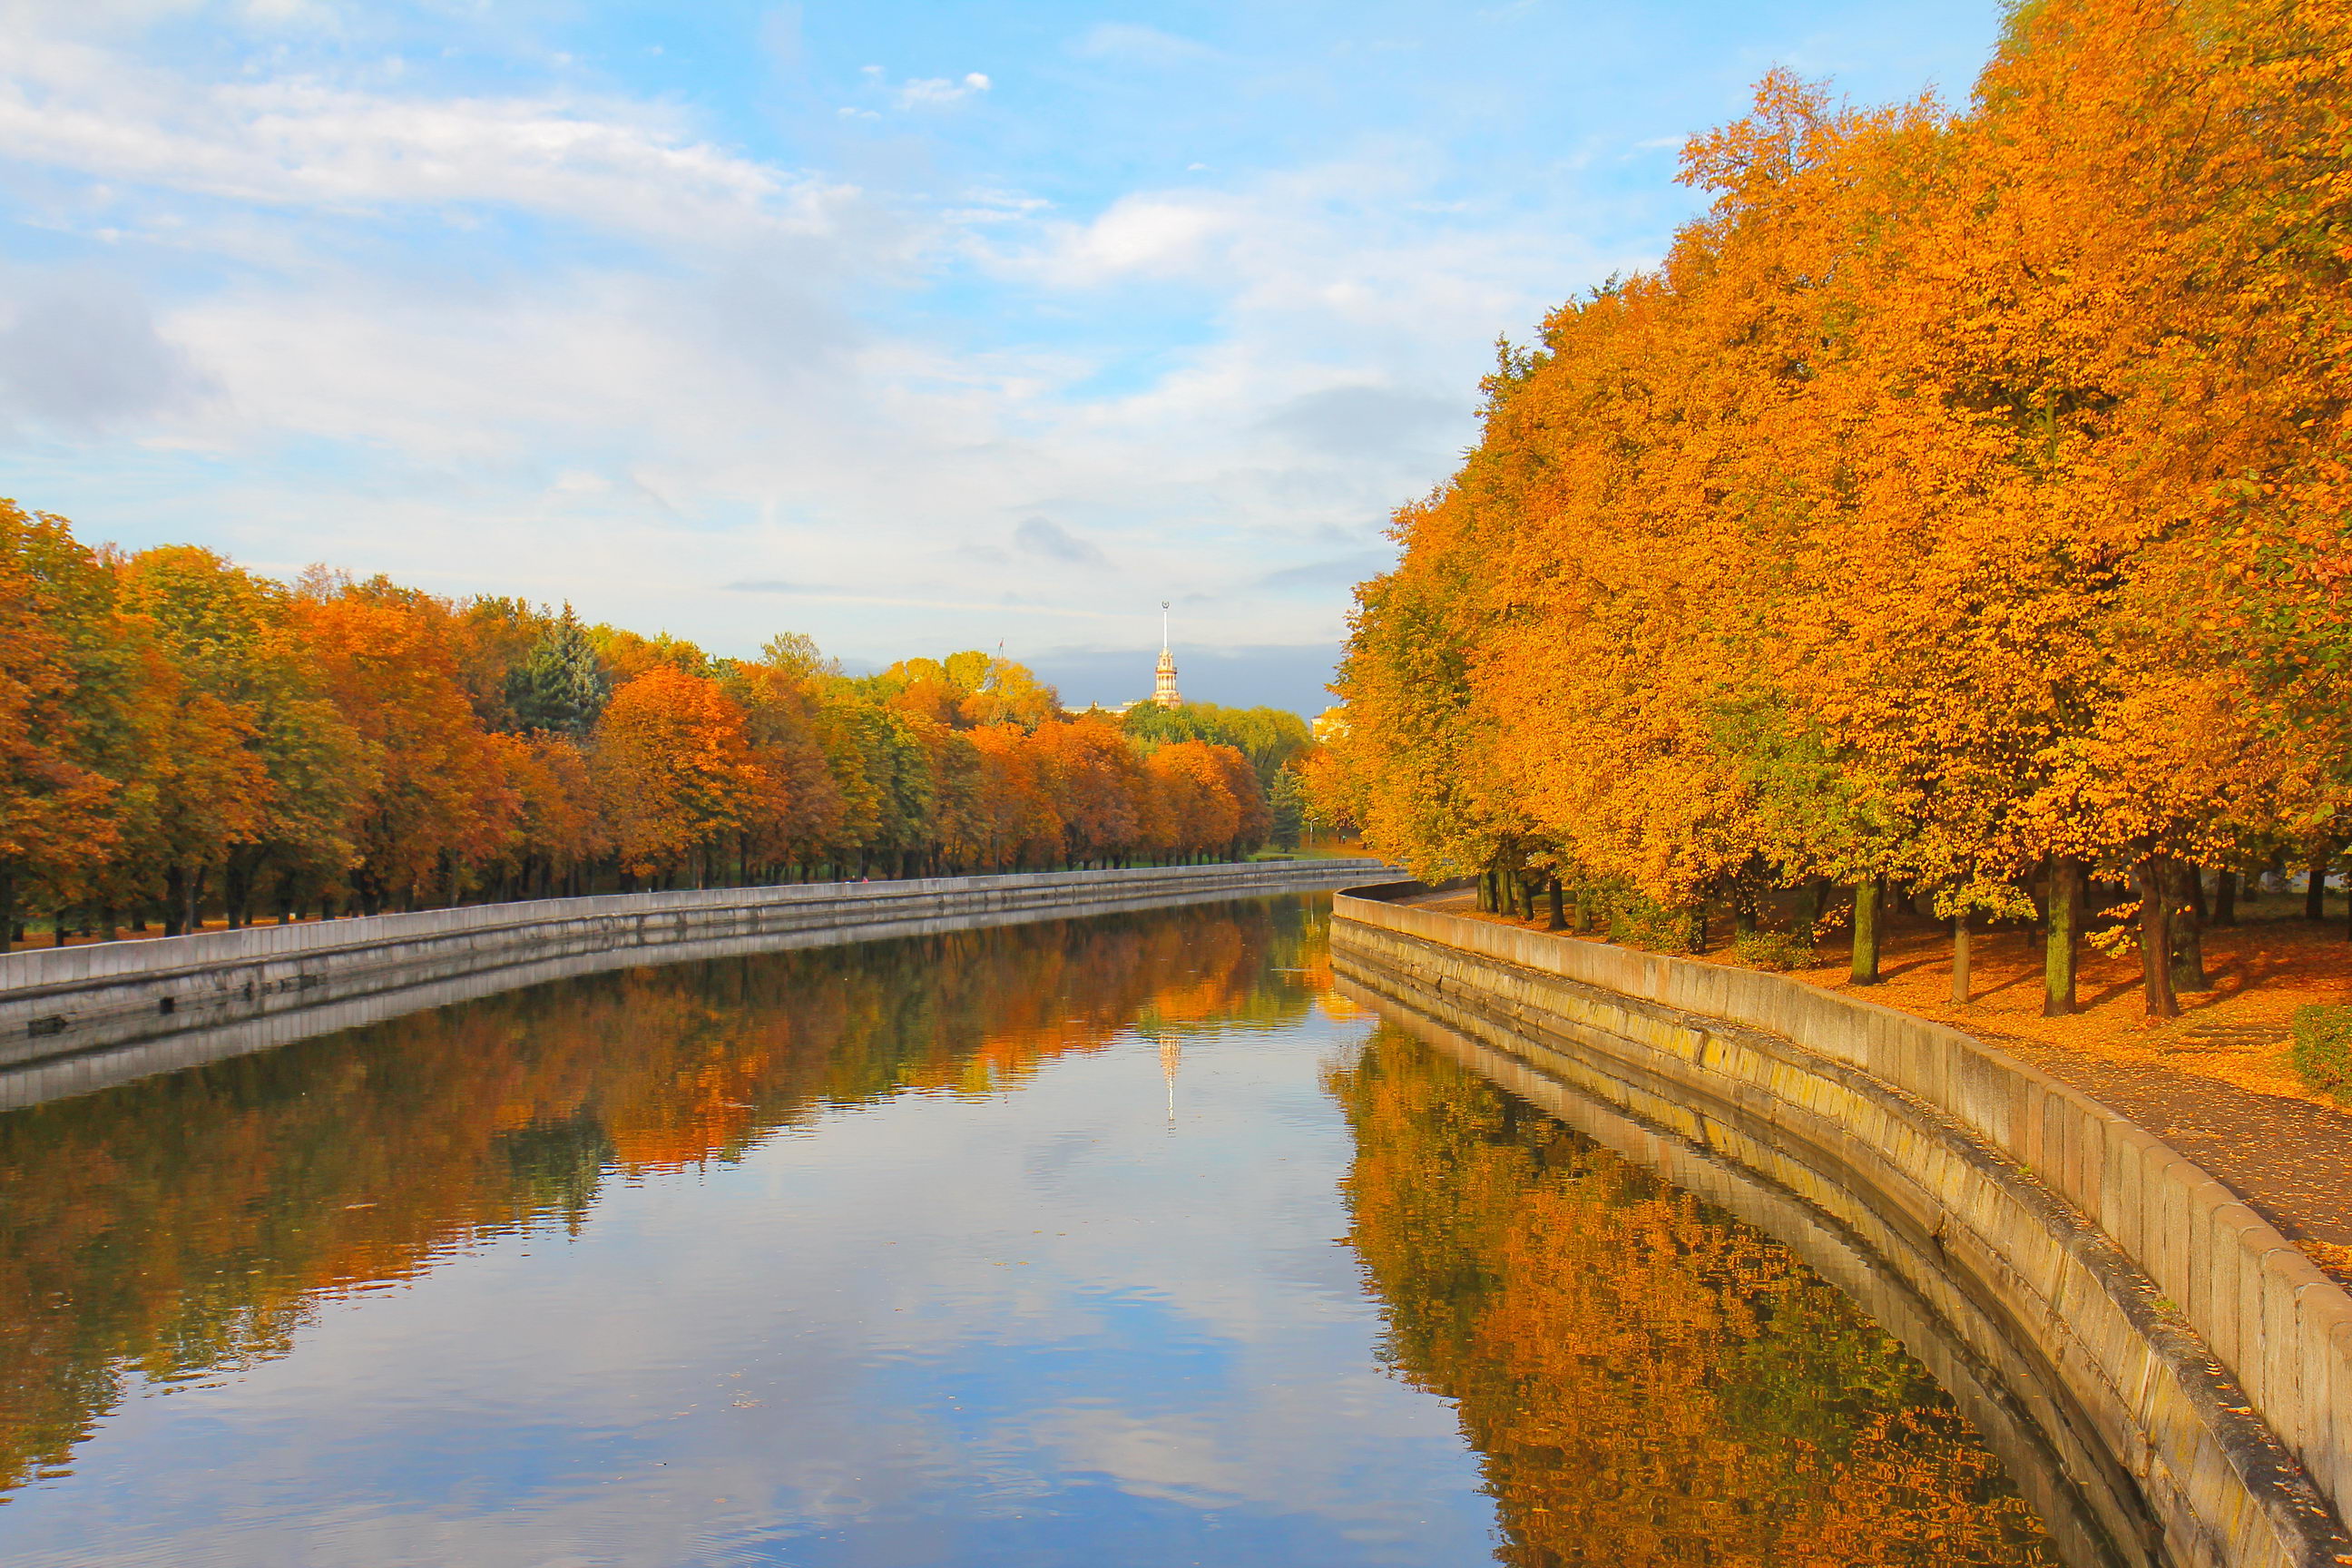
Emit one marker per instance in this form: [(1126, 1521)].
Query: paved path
[(2290, 1159)]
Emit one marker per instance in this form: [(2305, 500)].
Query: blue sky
[(910, 326)]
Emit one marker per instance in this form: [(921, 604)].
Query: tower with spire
[(1163, 682)]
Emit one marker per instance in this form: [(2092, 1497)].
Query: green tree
[(1271, 738), (562, 684)]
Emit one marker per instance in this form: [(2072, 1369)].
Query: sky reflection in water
[(885, 1255)]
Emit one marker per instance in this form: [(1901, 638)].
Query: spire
[(1171, 1056), (1164, 684)]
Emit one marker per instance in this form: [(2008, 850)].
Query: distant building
[(1163, 681)]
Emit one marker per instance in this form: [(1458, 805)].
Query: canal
[(1110, 1240)]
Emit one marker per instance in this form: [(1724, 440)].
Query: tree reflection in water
[(186, 1226), (1650, 1381), (1645, 1381)]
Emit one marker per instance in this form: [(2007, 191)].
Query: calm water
[(1107, 1241)]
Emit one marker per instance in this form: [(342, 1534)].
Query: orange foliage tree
[(55, 808), (678, 778), (182, 739), (1958, 508)]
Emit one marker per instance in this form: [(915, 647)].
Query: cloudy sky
[(912, 326)]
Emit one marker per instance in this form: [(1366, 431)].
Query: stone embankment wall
[(76, 1018), (2190, 1369)]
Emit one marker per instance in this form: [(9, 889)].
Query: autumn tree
[(1959, 506), (180, 734), (261, 771), (439, 805), (676, 775), (967, 689), (1271, 738), (55, 808)]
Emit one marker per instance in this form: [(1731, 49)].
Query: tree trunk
[(2315, 889), (1865, 932), (8, 906), (58, 921), (2156, 938), (1960, 960), (1559, 909), (2187, 948), (2063, 920), (2225, 897), (176, 899), (1699, 927)]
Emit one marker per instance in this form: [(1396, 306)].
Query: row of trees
[(178, 735), (1963, 504)]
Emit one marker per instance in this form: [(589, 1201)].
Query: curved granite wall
[(2187, 1370), (77, 1018)]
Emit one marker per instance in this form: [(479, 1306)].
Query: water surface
[(1111, 1240)]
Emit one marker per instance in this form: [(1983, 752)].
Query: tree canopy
[(180, 736), (1962, 502)]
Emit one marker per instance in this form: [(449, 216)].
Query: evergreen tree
[(562, 685)]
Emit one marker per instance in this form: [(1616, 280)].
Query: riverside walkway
[(2213, 1083)]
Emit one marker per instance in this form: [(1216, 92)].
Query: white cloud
[(1158, 234), (730, 398), (936, 92), (748, 427), (301, 143)]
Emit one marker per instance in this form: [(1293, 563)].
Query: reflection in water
[(182, 1225), (1649, 1380), (1011, 1247)]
